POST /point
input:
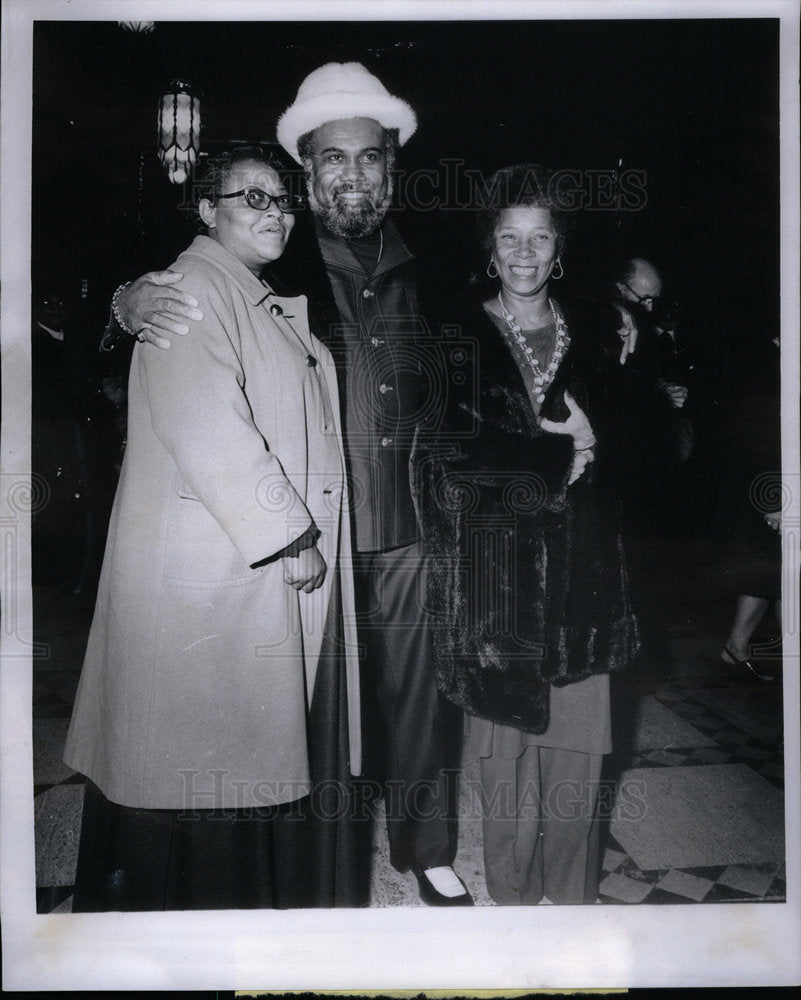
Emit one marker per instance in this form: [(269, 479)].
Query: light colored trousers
[(540, 823)]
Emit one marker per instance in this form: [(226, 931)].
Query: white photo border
[(419, 948)]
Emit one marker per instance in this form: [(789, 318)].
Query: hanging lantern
[(179, 130), (139, 27)]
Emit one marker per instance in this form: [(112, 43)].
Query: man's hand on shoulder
[(153, 306)]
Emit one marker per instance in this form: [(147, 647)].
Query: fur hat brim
[(303, 117)]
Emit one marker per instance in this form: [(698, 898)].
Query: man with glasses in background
[(639, 283), (639, 286)]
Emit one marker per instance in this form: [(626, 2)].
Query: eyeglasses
[(261, 201), (644, 300)]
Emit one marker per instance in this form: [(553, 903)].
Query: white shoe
[(445, 881), (441, 886)]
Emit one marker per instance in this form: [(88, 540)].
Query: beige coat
[(199, 669)]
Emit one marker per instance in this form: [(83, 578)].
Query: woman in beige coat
[(219, 694)]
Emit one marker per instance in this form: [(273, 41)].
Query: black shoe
[(762, 673), (431, 897)]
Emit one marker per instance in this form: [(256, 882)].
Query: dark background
[(692, 103)]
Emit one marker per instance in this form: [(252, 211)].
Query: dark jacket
[(382, 333), (527, 584)]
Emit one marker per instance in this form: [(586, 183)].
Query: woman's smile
[(253, 236), (524, 250)]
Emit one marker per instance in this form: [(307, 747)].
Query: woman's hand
[(774, 520), (581, 459), (150, 305), (577, 425), (305, 571)]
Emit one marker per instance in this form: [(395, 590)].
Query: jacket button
[(367, 293), (385, 388), (385, 442)]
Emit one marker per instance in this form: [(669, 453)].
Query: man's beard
[(350, 221)]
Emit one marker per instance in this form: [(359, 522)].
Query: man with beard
[(362, 283)]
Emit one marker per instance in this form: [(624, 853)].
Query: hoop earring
[(490, 274), (561, 274)]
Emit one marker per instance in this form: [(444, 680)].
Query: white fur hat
[(342, 90)]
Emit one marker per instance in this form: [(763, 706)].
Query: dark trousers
[(412, 733)]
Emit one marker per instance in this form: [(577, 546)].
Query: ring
[(140, 336)]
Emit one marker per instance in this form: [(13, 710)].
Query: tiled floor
[(712, 824), (693, 792)]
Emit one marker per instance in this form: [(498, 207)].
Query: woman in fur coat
[(527, 587)]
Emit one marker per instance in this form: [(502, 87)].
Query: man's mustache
[(352, 189)]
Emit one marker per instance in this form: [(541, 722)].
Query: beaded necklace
[(542, 379)]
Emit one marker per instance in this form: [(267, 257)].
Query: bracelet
[(588, 448), (115, 309)]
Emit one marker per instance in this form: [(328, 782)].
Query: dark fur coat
[(527, 585)]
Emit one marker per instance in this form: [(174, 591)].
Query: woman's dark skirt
[(754, 561), (310, 853)]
